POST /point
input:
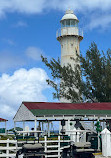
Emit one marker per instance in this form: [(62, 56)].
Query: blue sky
[(27, 30)]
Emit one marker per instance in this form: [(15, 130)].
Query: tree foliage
[(90, 80)]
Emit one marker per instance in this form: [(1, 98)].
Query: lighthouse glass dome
[(69, 19), (69, 23)]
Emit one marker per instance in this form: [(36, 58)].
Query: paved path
[(100, 156)]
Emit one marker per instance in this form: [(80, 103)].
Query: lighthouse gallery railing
[(65, 31)]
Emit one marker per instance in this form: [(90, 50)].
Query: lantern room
[(69, 20)]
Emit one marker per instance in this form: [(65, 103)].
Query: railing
[(53, 148), (78, 135), (69, 31), (10, 148)]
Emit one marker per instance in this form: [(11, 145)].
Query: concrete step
[(99, 155)]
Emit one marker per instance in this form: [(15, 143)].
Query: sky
[(27, 30)]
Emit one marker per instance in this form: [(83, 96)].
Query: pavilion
[(49, 111), (3, 130)]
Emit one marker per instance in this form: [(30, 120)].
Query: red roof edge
[(67, 106), (3, 120)]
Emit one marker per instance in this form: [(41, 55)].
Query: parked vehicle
[(31, 151)]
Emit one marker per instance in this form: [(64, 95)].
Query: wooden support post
[(35, 127), (104, 124), (48, 129), (93, 125), (84, 136), (14, 125), (42, 128), (23, 128), (68, 127), (5, 127)]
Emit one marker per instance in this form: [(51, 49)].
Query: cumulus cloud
[(102, 22), (34, 53), (23, 85), (35, 6), (85, 7), (27, 6)]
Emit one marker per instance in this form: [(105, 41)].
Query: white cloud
[(85, 7), (22, 6), (101, 22), (20, 24), (37, 6), (23, 85), (34, 53)]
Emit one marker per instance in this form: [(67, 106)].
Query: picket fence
[(8, 148)]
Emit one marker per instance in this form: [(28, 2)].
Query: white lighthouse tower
[(69, 36)]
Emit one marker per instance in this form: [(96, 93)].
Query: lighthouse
[(69, 36)]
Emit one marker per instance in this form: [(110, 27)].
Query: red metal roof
[(67, 106), (3, 120)]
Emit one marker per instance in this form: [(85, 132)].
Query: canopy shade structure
[(3, 120), (32, 110), (3, 130)]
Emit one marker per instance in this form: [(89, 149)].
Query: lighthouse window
[(72, 22), (76, 24), (63, 24), (67, 23)]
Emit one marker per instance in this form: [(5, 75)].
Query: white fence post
[(7, 151), (78, 136), (58, 146), (106, 142), (45, 144)]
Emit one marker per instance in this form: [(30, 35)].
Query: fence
[(8, 148), (53, 148)]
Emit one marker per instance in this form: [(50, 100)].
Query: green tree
[(90, 80)]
